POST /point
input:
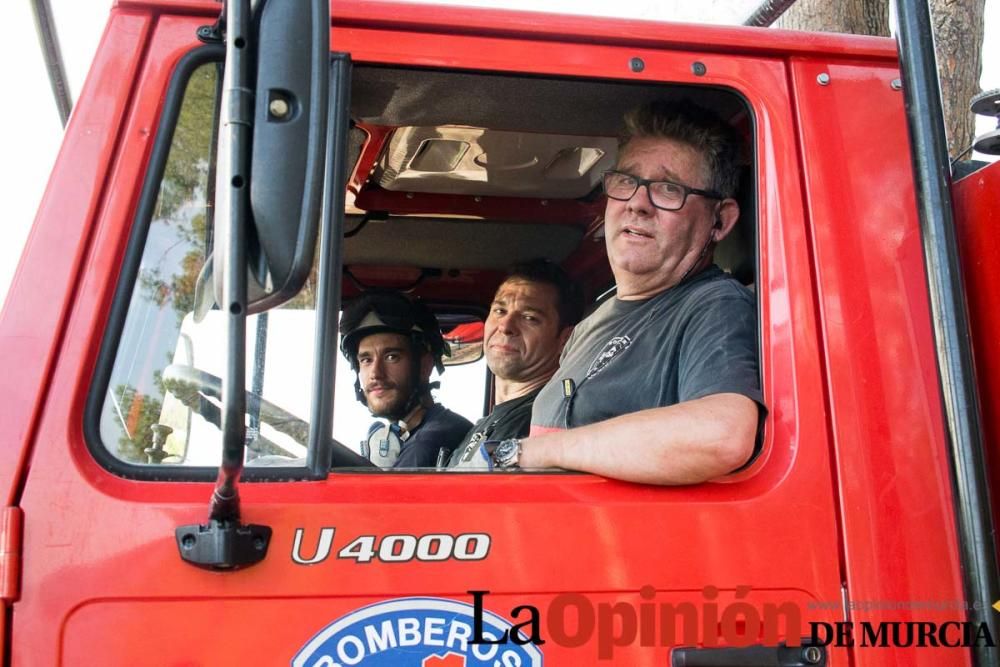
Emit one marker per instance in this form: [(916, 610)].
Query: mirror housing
[(464, 335), (288, 149)]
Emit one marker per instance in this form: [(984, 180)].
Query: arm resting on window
[(687, 443)]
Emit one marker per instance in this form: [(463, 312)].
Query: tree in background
[(858, 17), (958, 37)]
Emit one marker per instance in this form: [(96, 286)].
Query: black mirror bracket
[(223, 545), (215, 33)]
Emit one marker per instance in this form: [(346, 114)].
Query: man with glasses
[(660, 384)]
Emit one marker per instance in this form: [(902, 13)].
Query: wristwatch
[(507, 454)]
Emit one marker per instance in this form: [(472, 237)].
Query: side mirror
[(283, 162), (464, 335), (291, 50)]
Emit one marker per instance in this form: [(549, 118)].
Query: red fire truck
[(281, 158)]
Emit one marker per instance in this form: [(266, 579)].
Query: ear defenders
[(384, 442)]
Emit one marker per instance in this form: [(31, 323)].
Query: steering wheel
[(189, 385)]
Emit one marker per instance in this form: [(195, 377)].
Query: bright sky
[(30, 134)]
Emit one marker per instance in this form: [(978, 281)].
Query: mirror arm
[(237, 122), (225, 543)]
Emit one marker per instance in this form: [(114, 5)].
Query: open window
[(455, 175), (458, 175)]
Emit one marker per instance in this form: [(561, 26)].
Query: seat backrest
[(737, 252)]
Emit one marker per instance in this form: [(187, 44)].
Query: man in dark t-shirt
[(393, 344), (439, 430), (531, 316), (661, 383), (693, 340)]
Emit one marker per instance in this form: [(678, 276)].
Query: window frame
[(130, 266), (318, 466)]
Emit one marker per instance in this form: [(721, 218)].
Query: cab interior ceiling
[(446, 245)]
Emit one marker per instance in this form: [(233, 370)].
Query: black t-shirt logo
[(611, 349)]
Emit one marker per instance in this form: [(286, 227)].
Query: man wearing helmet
[(393, 344)]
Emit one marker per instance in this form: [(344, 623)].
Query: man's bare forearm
[(687, 443)]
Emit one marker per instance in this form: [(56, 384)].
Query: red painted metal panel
[(976, 200), (153, 627), (44, 286), (11, 533), (773, 527), (403, 16), (408, 16), (899, 531)]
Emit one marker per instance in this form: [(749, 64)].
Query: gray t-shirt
[(693, 340)]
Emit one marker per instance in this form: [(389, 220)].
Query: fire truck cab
[(459, 141)]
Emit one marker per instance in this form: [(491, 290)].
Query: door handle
[(750, 656)]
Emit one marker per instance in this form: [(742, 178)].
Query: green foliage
[(185, 177), (140, 411), (183, 193)]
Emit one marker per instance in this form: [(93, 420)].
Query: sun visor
[(474, 161)]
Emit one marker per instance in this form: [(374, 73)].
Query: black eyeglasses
[(665, 195)]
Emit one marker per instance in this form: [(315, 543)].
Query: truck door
[(374, 568)]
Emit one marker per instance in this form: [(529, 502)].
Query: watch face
[(505, 449)]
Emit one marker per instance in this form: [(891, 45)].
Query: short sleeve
[(719, 351)]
